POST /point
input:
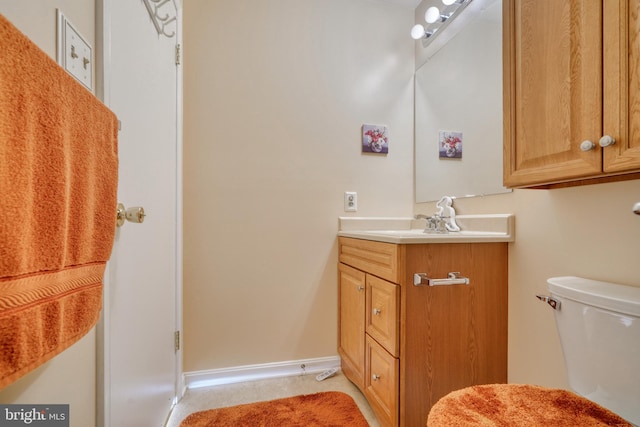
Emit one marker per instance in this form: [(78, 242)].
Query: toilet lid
[(519, 405)]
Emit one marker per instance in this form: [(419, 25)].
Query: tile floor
[(254, 391)]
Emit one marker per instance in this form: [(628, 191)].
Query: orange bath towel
[(58, 179)]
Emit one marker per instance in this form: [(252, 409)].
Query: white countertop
[(401, 230)]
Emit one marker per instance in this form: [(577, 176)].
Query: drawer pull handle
[(375, 377), (376, 311), (454, 278)]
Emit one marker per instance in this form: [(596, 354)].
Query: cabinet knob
[(375, 377), (360, 288), (587, 145), (606, 141), (376, 311)]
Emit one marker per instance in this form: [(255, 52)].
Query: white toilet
[(599, 328)]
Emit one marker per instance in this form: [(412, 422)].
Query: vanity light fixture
[(419, 32), (432, 14), (436, 20)]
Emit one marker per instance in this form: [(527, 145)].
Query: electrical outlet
[(350, 201)]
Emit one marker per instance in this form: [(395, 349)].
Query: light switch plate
[(74, 53)]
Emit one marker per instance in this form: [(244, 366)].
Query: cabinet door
[(382, 313), (552, 53), (452, 336), (382, 380), (622, 84), (351, 314)]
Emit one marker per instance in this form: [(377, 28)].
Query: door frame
[(103, 12), (180, 387)]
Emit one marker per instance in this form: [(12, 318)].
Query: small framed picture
[(375, 139), (450, 145)]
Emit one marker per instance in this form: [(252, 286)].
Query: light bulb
[(417, 32), (448, 2), (432, 14)]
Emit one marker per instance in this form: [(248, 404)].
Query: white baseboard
[(211, 377)]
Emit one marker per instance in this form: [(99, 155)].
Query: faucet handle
[(441, 224), (435, 224)]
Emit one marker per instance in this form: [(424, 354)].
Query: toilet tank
[(599, 328)]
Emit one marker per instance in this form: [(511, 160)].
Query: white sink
[(475, 228)]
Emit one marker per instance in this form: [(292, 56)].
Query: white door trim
[(103, 345), (180, 387)]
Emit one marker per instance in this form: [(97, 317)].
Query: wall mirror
[(458, 110)]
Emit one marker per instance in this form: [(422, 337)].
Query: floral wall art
[(375, 139), (450, 145)]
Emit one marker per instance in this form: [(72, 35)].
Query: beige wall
[(70, 376), (271, 127), (275, 96)]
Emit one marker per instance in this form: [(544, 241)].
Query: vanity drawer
[(382, 307), (378, 258), (382, 383)]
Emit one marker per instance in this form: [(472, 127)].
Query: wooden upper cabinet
[(622, 84), (568, 79)]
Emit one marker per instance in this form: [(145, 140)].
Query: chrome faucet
[(435, 224)]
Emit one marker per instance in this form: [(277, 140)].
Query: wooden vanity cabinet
[(369, 322), (406, 346), (571, 74)]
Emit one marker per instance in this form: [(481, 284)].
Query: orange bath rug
[(330, 408)]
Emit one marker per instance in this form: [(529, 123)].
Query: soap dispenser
[(448, 213)]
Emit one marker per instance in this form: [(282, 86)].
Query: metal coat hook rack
[(162, 16)]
